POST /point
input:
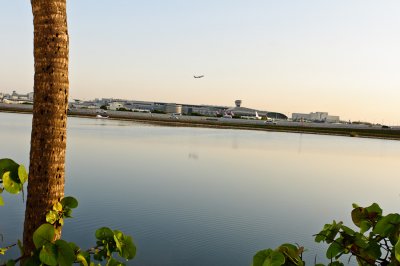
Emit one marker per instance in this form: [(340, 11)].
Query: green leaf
[(357, 215), (65, 254), (397, 251), (7, 165), (374, 210), (58, 207), (333, 250), (52, 217), (261, 256), (118, 242), (276, 259), (372, 252), (361, 241), (67, 212), (48, 254), (22, 174), (348, 230), (81, 259), (43, 235), (365, 218), (69, 202), (125, 246), (387, 225), (365, 226), (268, 257), (1, 201), (292, 252), (105, 233), (329, 232), (319, 237), (114, 262), (10, 185), (74, 247), (288, 246)]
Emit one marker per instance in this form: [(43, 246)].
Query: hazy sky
[(340, 56)]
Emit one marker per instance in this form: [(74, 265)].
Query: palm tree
[(48, 139)]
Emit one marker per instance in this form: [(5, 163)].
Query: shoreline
[(203, 122)]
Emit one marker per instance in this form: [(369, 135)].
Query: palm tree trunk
[(48, 138)]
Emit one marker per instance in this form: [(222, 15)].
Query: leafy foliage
[(43, 235), (59, 252), (374, 242), (109, 241), (51, 251), (12, 177), (286, 254), (61, 210)]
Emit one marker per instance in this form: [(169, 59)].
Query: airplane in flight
[(198, 77)]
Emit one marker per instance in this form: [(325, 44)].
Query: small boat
[(102, 116)]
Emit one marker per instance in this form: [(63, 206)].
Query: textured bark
[(48, 138)]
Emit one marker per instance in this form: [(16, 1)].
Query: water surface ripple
[(196, 196)]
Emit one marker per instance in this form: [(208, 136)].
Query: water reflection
[(249, 191), (300, 142)]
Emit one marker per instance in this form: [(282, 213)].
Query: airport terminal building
[(238, 110), (176, 108), (316, 117)]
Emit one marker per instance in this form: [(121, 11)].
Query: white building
[(16, 98), (30, 96), (316, 117), (115, 105)]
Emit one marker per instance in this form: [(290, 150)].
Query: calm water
[(192, 196)]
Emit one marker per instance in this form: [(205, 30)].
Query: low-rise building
[(115, 106), (316, 117), (16, 98)]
